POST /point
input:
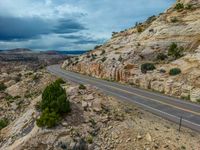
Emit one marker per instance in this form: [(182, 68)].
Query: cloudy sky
[(69, 24)]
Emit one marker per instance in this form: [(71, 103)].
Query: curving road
[(166, 107)]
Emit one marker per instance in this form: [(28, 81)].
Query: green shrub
[(186, 97), (93, 57), (174, 20), (103, 52), (62, 104), (162, 71), (88, 56), (52, 96), (114, 33), (8, 97), (161, 56), (189, 6), (139, 29), (38, 106), (3, 123), (151, 19), (60, 81), (16, 97), (183, 147), (82, 87), (54, 103), (2, 87), (179, 6), (103, 59), (174, 71), (48, 119), (90, 139), (147, 66), (97, 46), (76, 58), (36, 77), (17, 79), (120, 58), (175, 51)]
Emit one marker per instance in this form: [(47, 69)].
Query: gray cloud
[(18, 29), (61, 25), (81, 39), (68, 26), (12, 28)]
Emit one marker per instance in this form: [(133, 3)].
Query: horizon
[(48, 50), (60, 25)]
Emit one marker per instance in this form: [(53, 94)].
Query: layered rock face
[(121, 57)]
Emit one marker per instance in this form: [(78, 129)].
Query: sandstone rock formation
[(104, 124), (120, 58)]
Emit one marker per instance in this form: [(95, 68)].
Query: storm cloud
[(67, 25), (12, 28)]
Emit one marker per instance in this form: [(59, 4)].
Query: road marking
[(177, 107), (152, 93), (140, 90), (152, 108), (131, 99), (157, 101)]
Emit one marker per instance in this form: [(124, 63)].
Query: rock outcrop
[(121, 57), (101, 123)]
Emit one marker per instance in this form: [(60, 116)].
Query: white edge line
[(144, 105), (152, 108), (141, 90)]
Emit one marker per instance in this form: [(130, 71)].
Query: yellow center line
[(177, 107), (184, 109)]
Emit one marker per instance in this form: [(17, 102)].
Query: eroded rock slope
[(121, 57)]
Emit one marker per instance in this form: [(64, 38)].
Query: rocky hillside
[(170, 40), (96, 122), (22, 55)]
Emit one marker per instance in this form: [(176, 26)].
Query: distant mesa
[(17, 50), (69, 52), (49, 52)]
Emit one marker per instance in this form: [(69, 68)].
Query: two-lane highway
[(166, 107)]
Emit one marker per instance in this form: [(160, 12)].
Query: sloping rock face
[(102, 123), (121, 57)]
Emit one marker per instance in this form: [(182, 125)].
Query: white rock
[(195, 95), (84, 104), (148, 137), (89, 97)]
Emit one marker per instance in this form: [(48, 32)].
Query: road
[(161, 105)]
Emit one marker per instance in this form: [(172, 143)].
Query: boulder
[(88, 97), (96, 105), (84, 105), (195, 95), (148, 137)]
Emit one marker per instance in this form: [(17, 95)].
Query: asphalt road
[(166, 107)]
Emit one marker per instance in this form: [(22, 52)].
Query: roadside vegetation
[(161, 56), (2, 87), (174, 20), (3, 123), (54, 104), (103, 59), (179, 6), (147, 67), (82, 87), (174, 51), (174, 71), (188, 97)]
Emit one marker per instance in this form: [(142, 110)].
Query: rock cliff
[(121, 57)]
